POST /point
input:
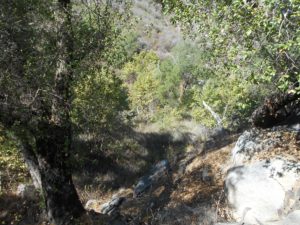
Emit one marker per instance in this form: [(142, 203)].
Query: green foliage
[(240, 32), (143, 93), (174, 88), (99, 99), (249, 50), (155, 86), (233, 99), (180, 67), (140, 76), (12, 167), (143, 63), (130, 42), (10, 156), (169, 78), (104, 43)]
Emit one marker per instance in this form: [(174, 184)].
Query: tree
[(36, 98), (47, 47), (262, 34), (252, 50)]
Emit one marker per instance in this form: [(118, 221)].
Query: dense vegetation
[(84, 70)]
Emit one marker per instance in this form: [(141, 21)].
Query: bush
[(12, 167), (232, 99), (140, 77)]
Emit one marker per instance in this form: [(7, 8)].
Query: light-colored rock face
[(292, 219), (258, 191), (251, 142)]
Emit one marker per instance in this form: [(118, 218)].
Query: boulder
[(158, 170), (292, 219), (296, 126), (252, 142), (112, 206), (230, 224), (143, 184), (258, 192)]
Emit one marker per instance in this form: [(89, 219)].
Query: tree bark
[(277, 109), (54, 140), (62, 202), (48, 153), (32, 164)]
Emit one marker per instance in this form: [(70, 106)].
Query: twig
[(214, 114)]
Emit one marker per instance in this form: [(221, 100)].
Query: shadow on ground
[(19, 211), (119, 159)]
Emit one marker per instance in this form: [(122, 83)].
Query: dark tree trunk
[(277, 109), (54, 139), (45, 122), (62, 202)]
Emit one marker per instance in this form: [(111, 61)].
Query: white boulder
[(257, 192)]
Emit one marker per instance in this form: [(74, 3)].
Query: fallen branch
[(214, 114)]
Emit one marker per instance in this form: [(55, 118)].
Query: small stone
[(112, 206)]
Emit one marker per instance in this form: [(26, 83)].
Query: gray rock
[(295, 127), (206, 174), (293, 218), (157, 171), (112, 206), (230, 224), (257, 192), (249, 143), (143, 184)]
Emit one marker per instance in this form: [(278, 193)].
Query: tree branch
[(214, 114)]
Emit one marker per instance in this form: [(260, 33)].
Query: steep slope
[(154, 30), (193, 191)]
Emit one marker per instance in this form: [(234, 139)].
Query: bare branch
[(214, 114)]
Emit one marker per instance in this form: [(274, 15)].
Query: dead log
[(277, 109)]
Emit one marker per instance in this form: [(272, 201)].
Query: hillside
[(149, 112), (193, 191)]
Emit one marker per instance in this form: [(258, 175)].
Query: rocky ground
[(200, 187), (223, 180)]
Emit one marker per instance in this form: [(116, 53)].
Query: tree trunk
[(32, 164), (62, 202), (47, 156), (54, 139), (280, 108)]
